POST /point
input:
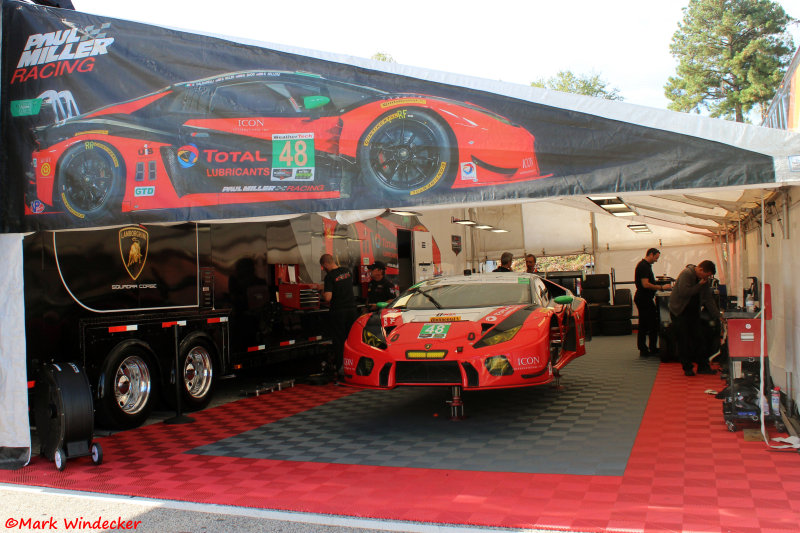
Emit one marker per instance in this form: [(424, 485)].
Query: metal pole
[(179, 417)]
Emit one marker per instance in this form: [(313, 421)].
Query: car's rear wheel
[(90, 179), (407, 152)]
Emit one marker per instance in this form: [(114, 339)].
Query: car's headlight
[(505, 330), (372, 334), (497, 337)]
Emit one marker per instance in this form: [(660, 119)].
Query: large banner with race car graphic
[(111, 122)]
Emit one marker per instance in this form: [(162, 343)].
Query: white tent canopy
[(688, 220)]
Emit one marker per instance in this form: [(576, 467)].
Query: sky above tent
[(626, 42)]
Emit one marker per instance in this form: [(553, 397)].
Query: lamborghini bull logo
[(133, 249)]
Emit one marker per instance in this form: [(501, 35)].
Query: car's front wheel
[(90, 179), (407, 152)]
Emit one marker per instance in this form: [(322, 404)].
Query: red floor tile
[(686, 472)]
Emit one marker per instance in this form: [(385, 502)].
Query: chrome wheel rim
[(197, 372), (132, 385)]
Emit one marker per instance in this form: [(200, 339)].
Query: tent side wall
[(15, 443), (780, 252), (673, 259)]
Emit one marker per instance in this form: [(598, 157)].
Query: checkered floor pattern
[(532, 430), (658, 458)]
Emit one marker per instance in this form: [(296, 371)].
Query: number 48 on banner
[(293, 157)]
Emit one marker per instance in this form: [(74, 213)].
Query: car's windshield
[(462, 295)]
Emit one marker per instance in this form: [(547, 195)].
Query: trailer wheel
[(127, 394), (197, 373)]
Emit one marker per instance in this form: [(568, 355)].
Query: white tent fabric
[(783, 146), (15, 437)]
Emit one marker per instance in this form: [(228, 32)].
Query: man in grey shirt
[(691, 292)]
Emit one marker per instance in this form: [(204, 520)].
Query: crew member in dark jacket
[(338, 292), (646, 288), (379, 289), (505, 262), (691, 291)]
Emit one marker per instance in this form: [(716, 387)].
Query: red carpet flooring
[(686, 472)]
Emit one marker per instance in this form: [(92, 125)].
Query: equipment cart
[(742, 400)]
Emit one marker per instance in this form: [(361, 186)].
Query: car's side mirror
[(564, 299), (382, 305), (315, 102)]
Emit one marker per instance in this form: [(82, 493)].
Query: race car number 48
[(434, 331)]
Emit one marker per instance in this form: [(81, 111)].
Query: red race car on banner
[(261, 136), (486, 331)]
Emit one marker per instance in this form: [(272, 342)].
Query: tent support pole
[(593, 229)]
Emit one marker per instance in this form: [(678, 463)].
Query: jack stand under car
[(456, 404)]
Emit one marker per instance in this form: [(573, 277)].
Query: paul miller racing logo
[(48, 55)]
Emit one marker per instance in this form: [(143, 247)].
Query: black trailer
[(119, 301)]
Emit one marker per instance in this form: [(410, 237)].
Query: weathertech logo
[(47, 55), (133, 249)]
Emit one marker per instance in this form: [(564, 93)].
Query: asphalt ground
[(24, 508)]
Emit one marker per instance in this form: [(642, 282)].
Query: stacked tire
[(595, 290), (615, 319), (594, 318)]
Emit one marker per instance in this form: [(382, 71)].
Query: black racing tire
[(594, 311), (615, 312), (198, 365), (126, 388), (407, 152), (623, 297), (90, 180), (596, 281), (595, 296)]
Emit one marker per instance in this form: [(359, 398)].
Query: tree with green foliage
[(731, 54), (587, 84), (383, 56)]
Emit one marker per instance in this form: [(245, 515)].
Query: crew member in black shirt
[(379, 289), (505, 262), (338, 292), (646, 288)]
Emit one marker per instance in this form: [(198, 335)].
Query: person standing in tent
[(505, 262), (530, 264), (379, 289), (338, 292), (692, 291), (644, 298)]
